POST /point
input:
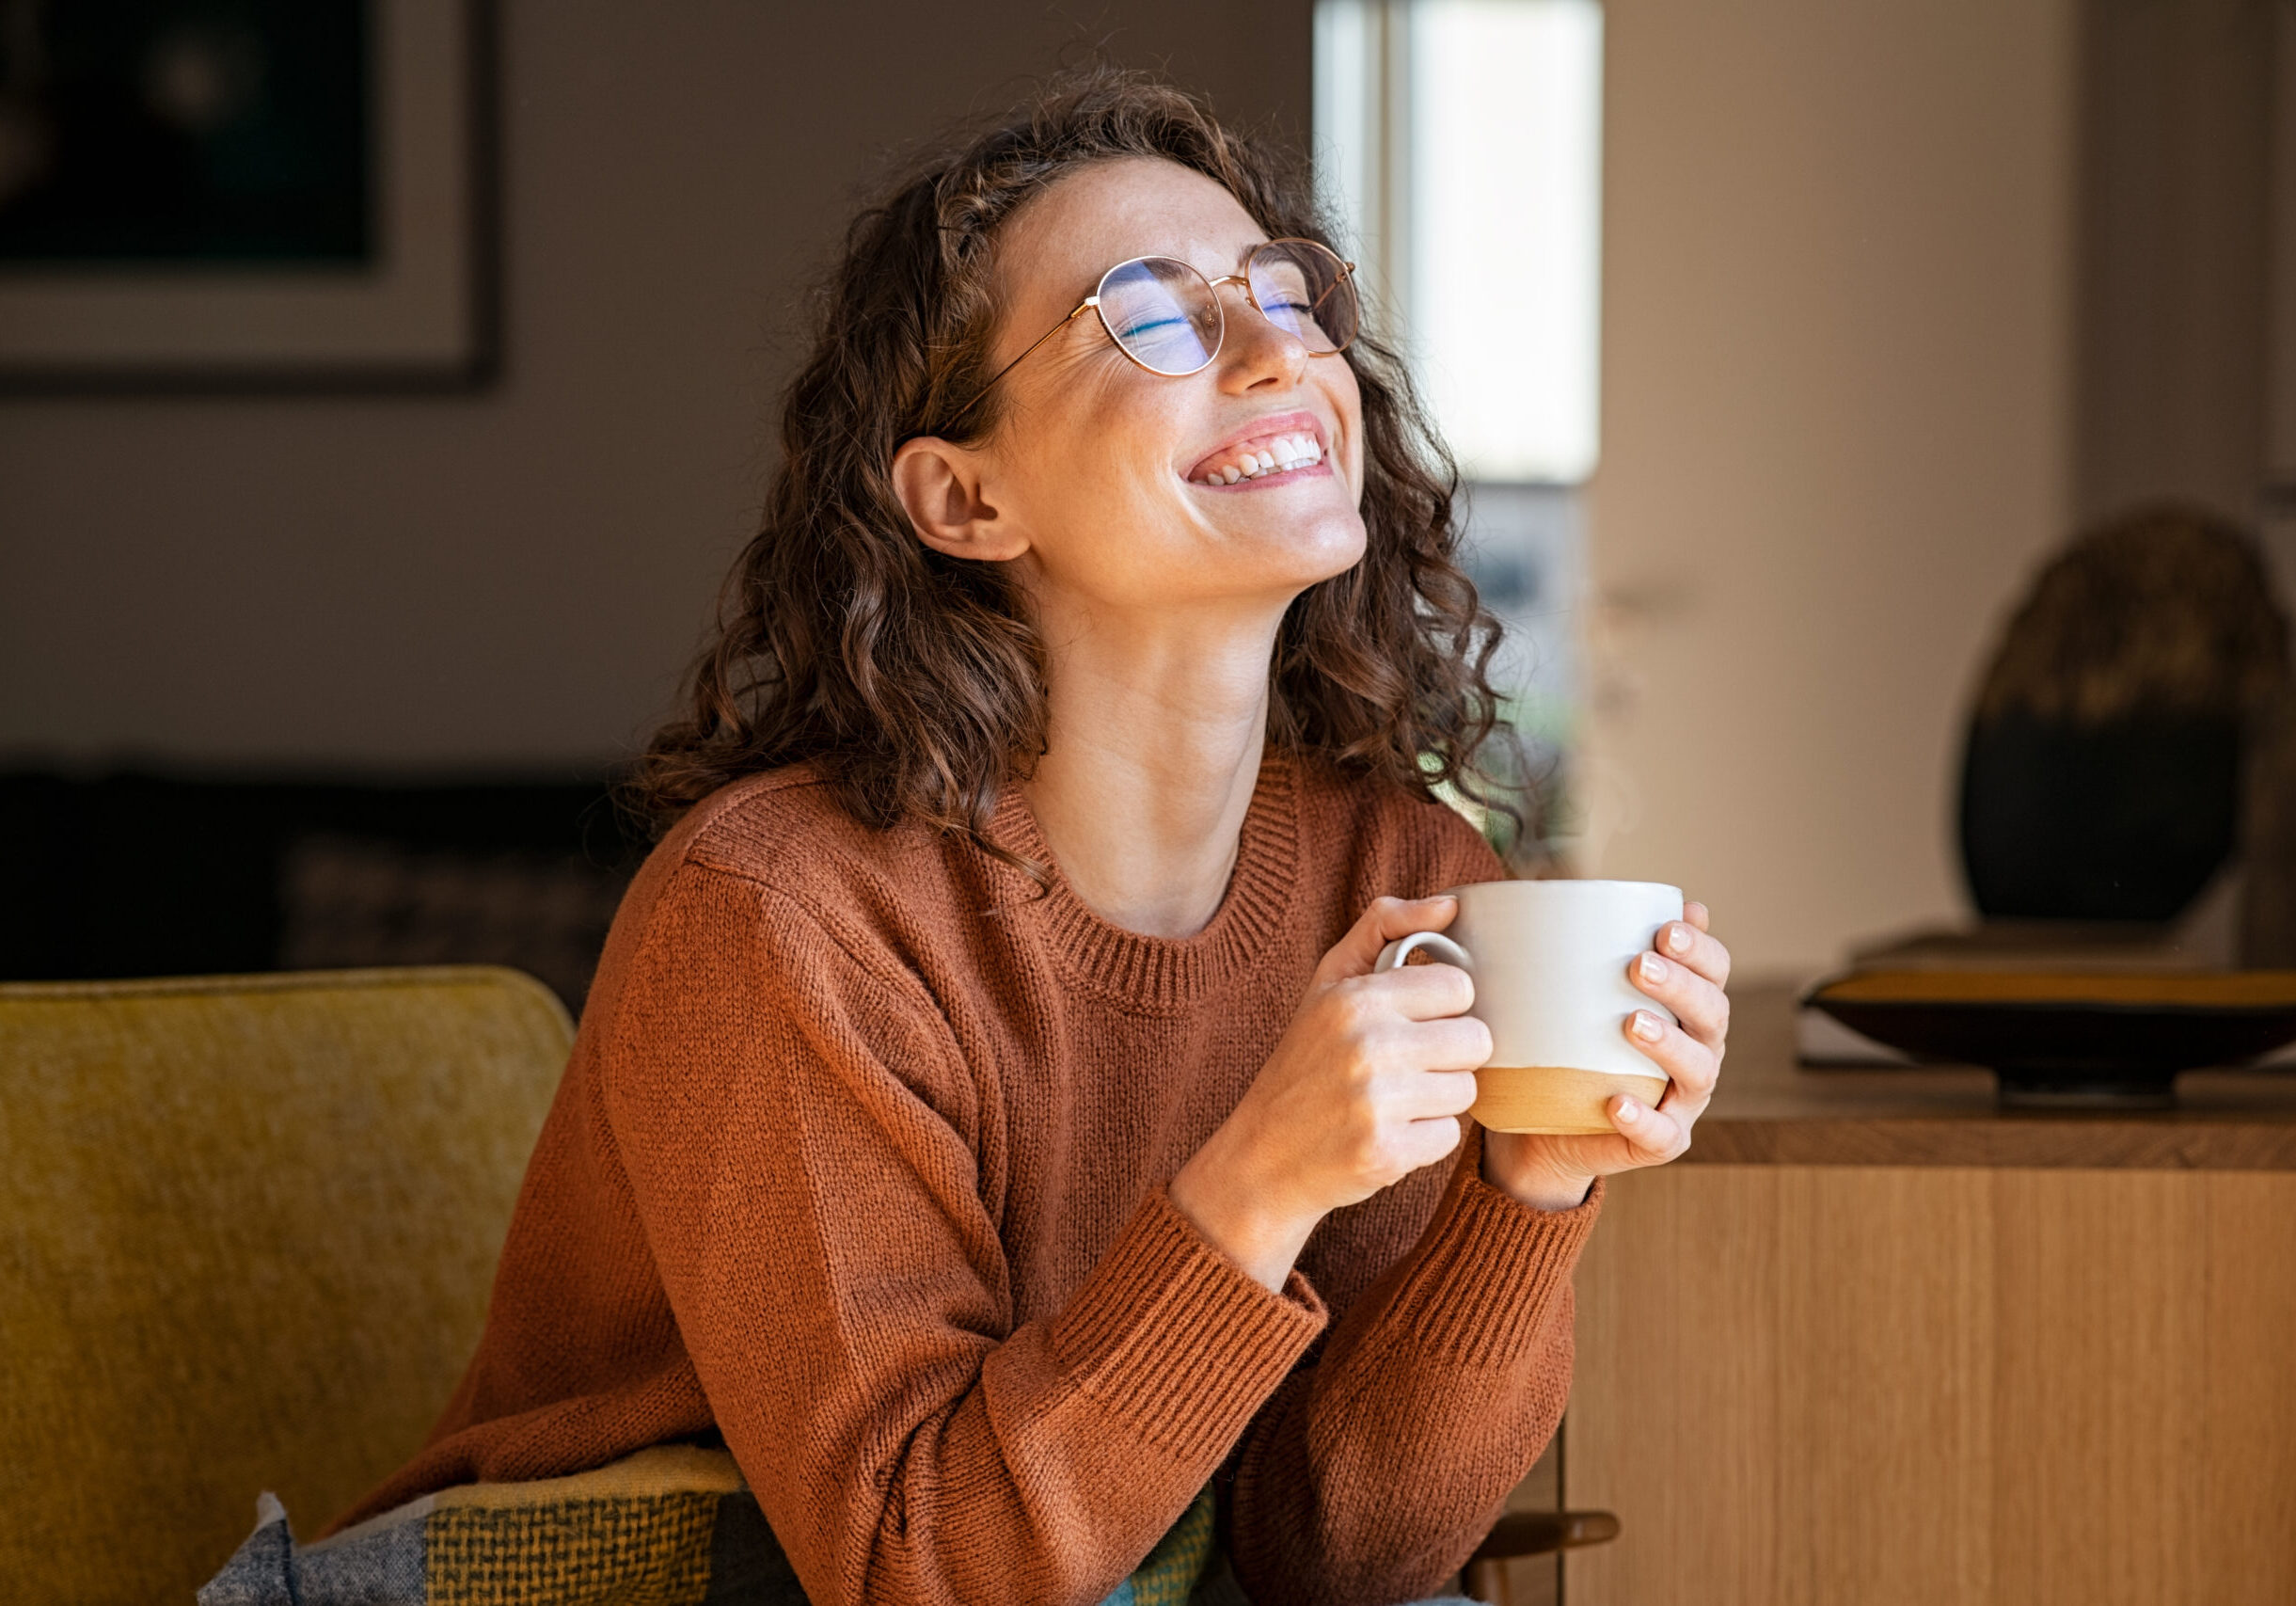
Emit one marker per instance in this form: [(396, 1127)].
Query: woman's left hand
[(1685, 970)]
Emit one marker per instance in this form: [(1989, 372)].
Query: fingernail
[(1653, 968), (1630, 1112), (1679, 938), (1646, 1026)]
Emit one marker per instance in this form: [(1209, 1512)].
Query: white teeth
[(1281, 455), (1296, 450)]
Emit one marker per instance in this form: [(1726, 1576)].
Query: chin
[(1316, 549)]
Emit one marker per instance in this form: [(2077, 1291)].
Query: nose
[(1255, 351)]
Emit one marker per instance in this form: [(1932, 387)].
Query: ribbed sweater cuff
[(1171, 1334), (1488, 1270)]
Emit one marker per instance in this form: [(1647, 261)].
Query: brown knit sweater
[(860, 1160)]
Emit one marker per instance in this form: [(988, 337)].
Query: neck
[(1157, 728)]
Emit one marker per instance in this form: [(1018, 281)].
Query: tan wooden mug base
[(1554, 1098)]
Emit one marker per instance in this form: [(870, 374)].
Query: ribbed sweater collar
[(1166, 973)]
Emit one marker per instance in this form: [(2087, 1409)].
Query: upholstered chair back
[(248, 1227)]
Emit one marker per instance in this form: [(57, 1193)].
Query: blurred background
[(388, 386)]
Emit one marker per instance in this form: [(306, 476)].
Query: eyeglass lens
[(1304, 291), (1164, 313)]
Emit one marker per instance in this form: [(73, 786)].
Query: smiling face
[(1117, 489)]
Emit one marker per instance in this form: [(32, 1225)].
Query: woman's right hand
[(1366, 1087)]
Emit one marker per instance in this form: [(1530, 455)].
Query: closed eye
[(1148, 327)]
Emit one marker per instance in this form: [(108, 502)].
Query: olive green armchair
[(247, 1226)]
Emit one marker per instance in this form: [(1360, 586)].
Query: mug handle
[(1396, 952)]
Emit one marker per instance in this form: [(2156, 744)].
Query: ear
[(942, 490)]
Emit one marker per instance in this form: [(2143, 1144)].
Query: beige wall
[(1837, 333), (516, 578)]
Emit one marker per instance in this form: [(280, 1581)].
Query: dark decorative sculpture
[(2102, 780)]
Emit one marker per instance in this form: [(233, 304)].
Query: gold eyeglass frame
[(1092, 304)]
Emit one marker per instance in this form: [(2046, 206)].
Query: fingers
[(1458, 1044), (1653, 1137), (1386, 919), (1433, 1095), (1427, 1141), (1689, 1064), (1640, 1136), (1416, 992), (1409, 1121), (1413, 1047), (1687, 945), (1702, 1008)]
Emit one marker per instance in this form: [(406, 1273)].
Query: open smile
[(1276, 450)]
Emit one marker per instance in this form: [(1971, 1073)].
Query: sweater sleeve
[(800, 1133), (1372, 1476)]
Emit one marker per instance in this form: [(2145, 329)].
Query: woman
[(986, 1116)]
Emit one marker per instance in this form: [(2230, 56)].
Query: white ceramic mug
[(1549, 959)]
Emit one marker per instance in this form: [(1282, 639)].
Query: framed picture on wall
[(247, 195)]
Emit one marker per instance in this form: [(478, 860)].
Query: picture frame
[(389, 283)]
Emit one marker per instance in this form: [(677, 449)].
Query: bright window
[(1463, 141)]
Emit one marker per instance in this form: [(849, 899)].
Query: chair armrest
[(1542, 1533)]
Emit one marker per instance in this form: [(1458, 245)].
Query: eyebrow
[(1241, 252)]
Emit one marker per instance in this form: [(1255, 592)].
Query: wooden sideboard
[(1873, 1341)]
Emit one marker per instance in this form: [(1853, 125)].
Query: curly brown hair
[(913, 681)]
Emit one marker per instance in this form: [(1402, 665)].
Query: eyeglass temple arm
[(1086, 305), (1347, 271)]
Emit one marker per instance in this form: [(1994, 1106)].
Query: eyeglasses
[(1167, 317)]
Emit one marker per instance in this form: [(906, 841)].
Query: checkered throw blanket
[(670, 1526)]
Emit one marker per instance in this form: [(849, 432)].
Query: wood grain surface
[(2189, 989), (1769, 1111), (1937, 1385)]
